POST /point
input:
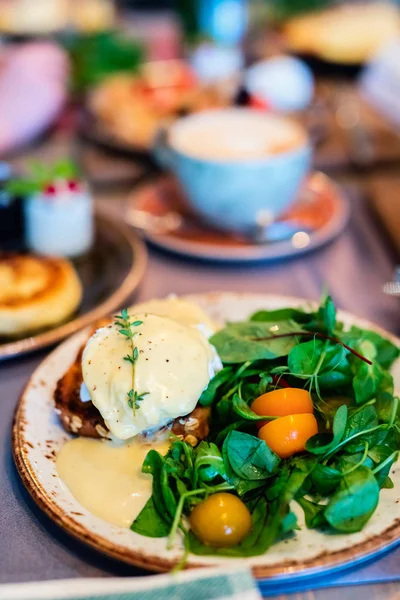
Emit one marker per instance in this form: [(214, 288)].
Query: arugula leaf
[(318, 444), (208, 463), (150, 523), (250, 457), (354, 502), (164, 500), (241, 342)]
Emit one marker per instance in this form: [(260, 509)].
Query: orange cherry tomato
[(282, 402), (288, 435), (221, 520)]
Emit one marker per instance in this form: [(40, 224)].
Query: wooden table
[(354, 268)]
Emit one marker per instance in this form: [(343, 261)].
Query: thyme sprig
[(123, 322)]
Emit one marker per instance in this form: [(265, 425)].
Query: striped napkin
[(198, 584)]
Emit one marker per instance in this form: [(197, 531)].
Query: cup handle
[(161, 150)]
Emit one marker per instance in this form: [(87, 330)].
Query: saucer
[(318, 216)]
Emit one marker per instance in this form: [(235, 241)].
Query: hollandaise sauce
[(107, 479)]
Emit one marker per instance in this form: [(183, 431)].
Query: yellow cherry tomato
[(282, 402), (221, 520), (288, 435)]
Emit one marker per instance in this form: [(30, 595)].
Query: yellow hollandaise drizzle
[(106, 479)]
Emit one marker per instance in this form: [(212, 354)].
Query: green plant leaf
[(327, 315), (163, 497), (354, 502), (242, 409), (150, 523), (208, 462), (323, 443), (313, 513), (325, 479), (250, 457), (209, 394), (281, 314), (366, 382), (241, 342)]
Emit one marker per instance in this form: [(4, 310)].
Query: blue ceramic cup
[(240, 168)]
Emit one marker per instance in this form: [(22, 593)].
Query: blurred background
[(96, 81)]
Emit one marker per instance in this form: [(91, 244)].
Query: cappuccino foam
[(235, 134)]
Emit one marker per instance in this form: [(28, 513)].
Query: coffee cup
[(240, 168)]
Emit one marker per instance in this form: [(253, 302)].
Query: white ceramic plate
[(37, 437)]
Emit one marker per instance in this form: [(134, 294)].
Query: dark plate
[(109, 273)]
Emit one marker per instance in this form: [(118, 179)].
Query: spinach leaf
[(354, 502), (281, 314), (361, 420), (384, 398), (243, 487), (328, 362), (303, 358), (325, 479), (313, 513), (241, 342), (319, 443), (385, 351), (366, 381), (250, 457), (209, 394), (150, 523)]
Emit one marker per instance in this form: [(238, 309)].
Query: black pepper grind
[(11, 216)]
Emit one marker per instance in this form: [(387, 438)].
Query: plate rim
[(322, 563), (257, 252), (129, 285)]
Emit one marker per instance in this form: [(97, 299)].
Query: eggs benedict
[(138, 377), (171, 365), (174, 364)]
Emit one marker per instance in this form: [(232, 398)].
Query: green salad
[(303, 411)]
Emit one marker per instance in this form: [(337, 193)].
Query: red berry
[(50, 190), (73, 186)]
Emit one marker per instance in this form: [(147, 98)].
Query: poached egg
[(174, 364)]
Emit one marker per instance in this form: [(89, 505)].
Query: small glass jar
[(59, 220)]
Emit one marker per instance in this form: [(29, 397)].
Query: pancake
[(35, 293)]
